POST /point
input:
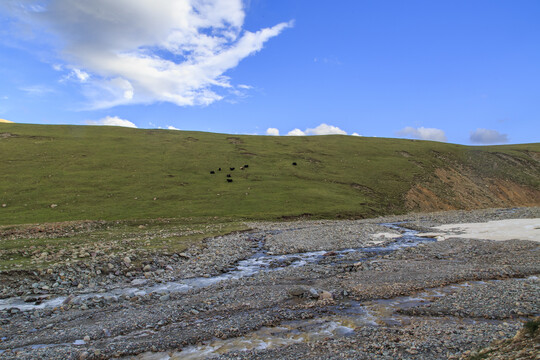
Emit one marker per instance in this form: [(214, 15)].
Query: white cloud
[(487, 136), (74, 74), (355, 134), (147, 51), (322, 129), (82, 76), (325, 129), (296, 132), (172, 128), (423, 133), (112, 121), (272, 131)]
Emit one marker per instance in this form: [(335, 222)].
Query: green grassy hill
[(57, 173)]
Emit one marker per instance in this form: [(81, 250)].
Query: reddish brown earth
[(463, 189)]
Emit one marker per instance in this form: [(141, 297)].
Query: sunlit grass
[(164, 237), (59, 173)]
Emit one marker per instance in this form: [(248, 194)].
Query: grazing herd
[(229, 176)]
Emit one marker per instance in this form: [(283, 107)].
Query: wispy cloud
[(487, 136), (112, 121), (423, 133), (327, 60), (128, 52), (78, 75), (37, 90)]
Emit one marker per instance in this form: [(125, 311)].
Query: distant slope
[(57, 173)]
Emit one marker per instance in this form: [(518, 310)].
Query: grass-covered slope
[(57, 173)]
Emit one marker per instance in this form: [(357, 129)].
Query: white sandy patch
[(500, 230)]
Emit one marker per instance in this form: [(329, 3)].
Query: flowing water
[(342, 320), (258, 262)]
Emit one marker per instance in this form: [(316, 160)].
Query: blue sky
[(460, 71)]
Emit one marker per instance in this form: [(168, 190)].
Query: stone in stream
[(138, 282), (314, 294), (325, 295), (68, 299), (14, 310), (298, 291)]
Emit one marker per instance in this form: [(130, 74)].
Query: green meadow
[(54, 173)]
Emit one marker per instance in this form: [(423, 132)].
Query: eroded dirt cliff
[(485, 180)]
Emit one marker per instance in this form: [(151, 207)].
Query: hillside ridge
[(63, 172)]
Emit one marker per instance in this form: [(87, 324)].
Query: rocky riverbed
[(304, 289)]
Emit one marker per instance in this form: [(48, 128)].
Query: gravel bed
[(128, 325), (323, 236), (491, 300), (103, 274), (423, 339)]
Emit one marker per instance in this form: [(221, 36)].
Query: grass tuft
[(532, 326)]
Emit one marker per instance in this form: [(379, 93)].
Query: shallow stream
[(258, 262), (343, 320)]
